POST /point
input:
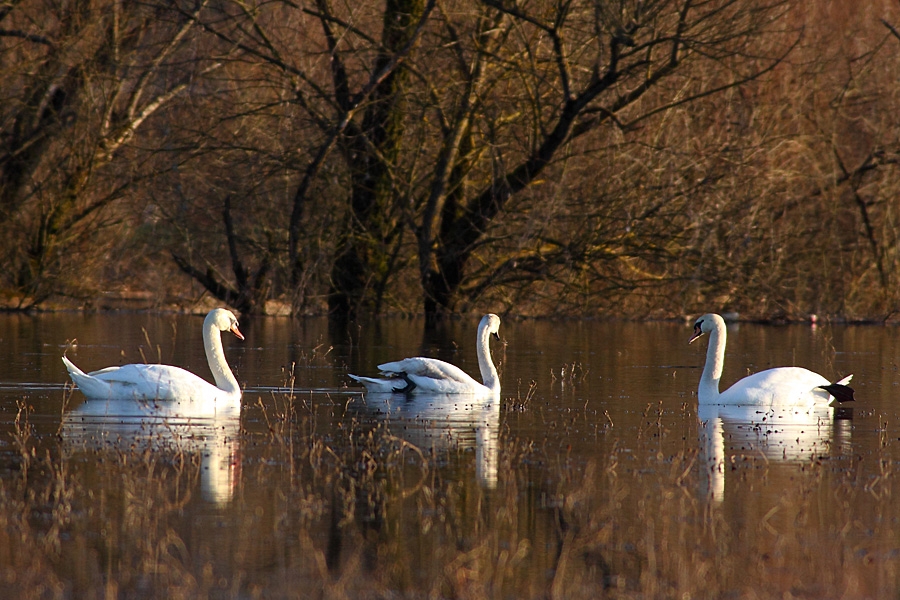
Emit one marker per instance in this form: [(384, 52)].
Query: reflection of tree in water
[(785, 435), (443, 422), (126, 425)]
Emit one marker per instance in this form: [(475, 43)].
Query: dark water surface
[(593, 473)]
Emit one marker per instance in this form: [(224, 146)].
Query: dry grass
[(361, 513)]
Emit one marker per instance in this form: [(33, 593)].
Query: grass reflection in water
[(124, 508)]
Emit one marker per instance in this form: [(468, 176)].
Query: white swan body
[(782, 386), (433, 376), (164, 382)]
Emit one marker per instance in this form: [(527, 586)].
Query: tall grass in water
[(360, 513)]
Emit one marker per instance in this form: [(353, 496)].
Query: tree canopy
[(534, 156)]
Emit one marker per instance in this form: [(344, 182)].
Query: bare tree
[(587, 67), (433, 155), (371, 238), (796, 215), (81, 80), (446, 116), (360, 115), (492, 96)]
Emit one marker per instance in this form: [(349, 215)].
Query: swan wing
[(380, 386), (421, 375), (432, 386), (421, 370), (150, 382), (782, 386)]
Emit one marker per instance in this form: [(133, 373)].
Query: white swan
[(433, 376), (782, 386), (164, 382)]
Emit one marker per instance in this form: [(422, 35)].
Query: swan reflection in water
[(443, 422), (786, 435), (171, 426)]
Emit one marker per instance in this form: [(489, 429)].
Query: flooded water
[(593, 474)]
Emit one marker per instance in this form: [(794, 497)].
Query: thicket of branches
[(536, 156)]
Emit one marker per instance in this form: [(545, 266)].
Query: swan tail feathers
[(400, 384), (841, 392), (71, 368), (366, 381), (89, 386)]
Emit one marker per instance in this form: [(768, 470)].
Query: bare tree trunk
[(363, 257), (63, 138)]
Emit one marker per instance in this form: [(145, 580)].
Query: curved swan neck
[(715, 357), (215, 356), (485, 364)]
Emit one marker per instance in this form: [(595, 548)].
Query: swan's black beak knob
[(697, 332)]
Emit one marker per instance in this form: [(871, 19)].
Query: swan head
[(224, 320), (491, 323), (706, 324)]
